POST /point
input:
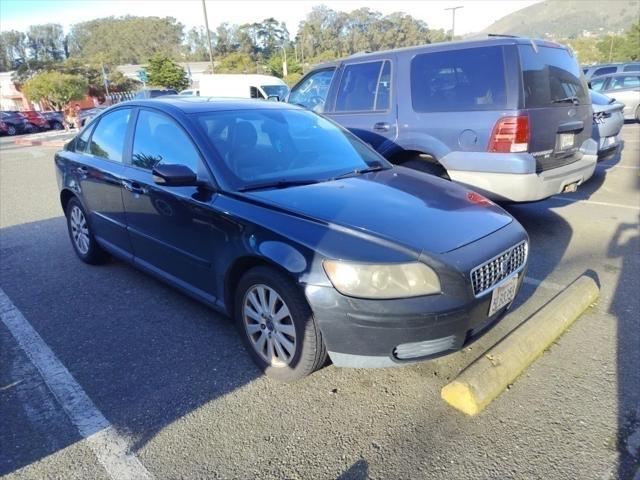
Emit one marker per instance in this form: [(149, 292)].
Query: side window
[(605, 70), (108, 136), (83, 140), (255, 93), (359, 87), (312, 92), (458, 80), (159, 139), (383, 94), (597, 84), (634, 67), (628, 81)]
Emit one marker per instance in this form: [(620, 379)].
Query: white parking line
[(593, 202), (109, 447), (543, 283)]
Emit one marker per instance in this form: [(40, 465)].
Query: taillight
[(511, 134)]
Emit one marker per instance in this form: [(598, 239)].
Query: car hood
[(410, 208)]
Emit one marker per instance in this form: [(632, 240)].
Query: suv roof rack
[(502, 35), (357, 54)]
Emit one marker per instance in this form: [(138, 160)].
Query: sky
[(473, 17)]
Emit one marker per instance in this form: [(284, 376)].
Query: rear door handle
[(381, 127), (134, 187)]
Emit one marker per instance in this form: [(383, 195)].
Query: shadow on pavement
[(144, 353), (625, 306), (357, 471)]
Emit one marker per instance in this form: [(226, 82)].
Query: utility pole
[(611, 48), (206, 24), (453, 19), (284, 63)]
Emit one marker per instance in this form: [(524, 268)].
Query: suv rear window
[(466, 79), (551, 77)]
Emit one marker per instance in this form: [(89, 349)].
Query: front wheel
[(11, 130), (277, 325), (57, 126), (82, 239)]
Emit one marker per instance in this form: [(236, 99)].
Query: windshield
[(279, 90), (280, 146)]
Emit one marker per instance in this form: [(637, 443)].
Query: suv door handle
[(134, 187), (381, 127)]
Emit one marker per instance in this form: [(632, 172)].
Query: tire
[(297, 348), (638, 114), (82, 239), (424, 165), (57, 126), (11, 130), (30, 128)]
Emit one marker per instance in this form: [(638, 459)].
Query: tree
[(14, 48), (165, 72), (57, 89), (236, 63), (196, 48), (46, 42), (121, 40)]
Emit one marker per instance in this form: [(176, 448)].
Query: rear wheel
[(11, 130), (82, 239), (57, 126), (277, 325)]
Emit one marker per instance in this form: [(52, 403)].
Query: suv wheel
[(82, 239), (277, 325)]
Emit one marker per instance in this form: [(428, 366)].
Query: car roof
[(617, 74), (492, 40), (189, 104)]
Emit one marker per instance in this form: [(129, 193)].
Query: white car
[(625, 88)]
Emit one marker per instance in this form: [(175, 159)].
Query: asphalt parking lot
[(171, 378)]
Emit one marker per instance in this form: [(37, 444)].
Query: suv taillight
[(511, 134)]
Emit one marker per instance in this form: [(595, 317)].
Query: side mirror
[(273, 98), (174, 175)]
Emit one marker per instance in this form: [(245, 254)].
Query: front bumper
[(364, 333)]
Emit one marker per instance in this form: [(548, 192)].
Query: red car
[(36, 119)]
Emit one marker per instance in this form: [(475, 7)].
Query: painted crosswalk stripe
[(110, 448)]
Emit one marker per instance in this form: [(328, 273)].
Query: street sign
[(142, 75)]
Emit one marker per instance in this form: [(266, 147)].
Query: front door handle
[(381, 127), (134, 187), (82, 170)]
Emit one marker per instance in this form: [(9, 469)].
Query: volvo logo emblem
[(504, 265)]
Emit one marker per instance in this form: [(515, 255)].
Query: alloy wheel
[(79, 230), (269, 326)]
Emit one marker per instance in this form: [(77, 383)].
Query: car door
[(173, 232), (97, 161), (625, 89), (363, 102)]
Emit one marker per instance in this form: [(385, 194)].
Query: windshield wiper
[(359, 171), (573, 100), (276, 184)]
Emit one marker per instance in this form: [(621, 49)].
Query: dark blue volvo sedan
[(285, 221)]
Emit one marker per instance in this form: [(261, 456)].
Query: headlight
[(398, 280)]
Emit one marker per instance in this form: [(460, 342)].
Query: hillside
[(568, 18)]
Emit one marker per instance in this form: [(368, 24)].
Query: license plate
[(565, 140), (503, 295)]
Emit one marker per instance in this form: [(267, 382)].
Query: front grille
[(486, 276)]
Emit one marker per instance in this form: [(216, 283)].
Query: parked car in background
[(609, 68), (243, 86), (55, 120), (16, 123), (36, 119), (607, 123), (508, 117), (191, 92), (625, 88), (154, 93), (280, 218), (88, 114)]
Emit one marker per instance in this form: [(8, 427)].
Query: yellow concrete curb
[(487, 377)]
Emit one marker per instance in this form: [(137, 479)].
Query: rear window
[(551, 77), (467, 79)]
